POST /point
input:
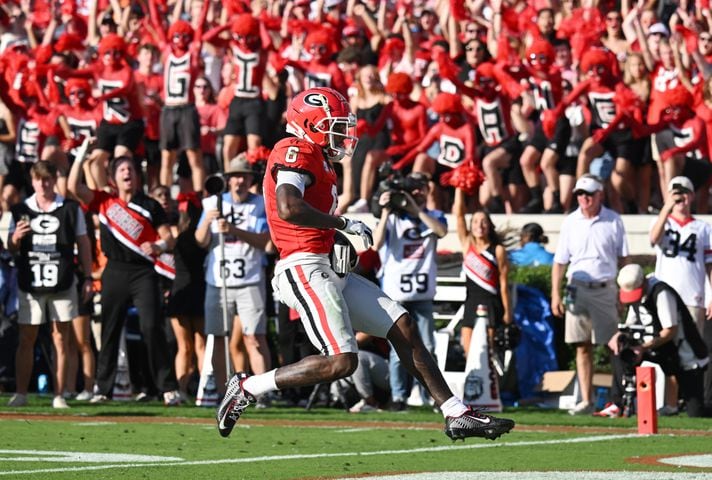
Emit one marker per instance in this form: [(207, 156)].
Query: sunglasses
[(540, 58), (584, 193), (201, 86)]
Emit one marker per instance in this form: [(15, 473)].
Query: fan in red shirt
[(456, 134), (683, 145), (121, 127), (321, 70), (151, 84), (80, 118), (606, 94), (546, 86), (180, 124), (408, 125), (245, 125)]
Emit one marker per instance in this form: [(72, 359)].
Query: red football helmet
[(323, 117)]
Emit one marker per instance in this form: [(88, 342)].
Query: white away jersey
[(408, 267), (243, 262), (681, 256)]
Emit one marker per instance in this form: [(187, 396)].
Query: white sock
[(258, 385), (453, 407)]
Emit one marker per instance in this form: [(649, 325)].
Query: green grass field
[(128, 440)]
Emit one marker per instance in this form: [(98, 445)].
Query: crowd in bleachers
[(506, 101)]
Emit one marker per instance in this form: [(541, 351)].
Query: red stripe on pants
[(319, 309)]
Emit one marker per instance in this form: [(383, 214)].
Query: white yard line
[(541, 476), (272, 458)]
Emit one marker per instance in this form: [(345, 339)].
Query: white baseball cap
[(680, 183), (659, 28), (589, 184), (630, 281)]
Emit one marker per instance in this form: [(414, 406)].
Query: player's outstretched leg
[(460, 421), (474, 423), (235, 401)]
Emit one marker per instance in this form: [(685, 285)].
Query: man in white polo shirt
[(592, 241)]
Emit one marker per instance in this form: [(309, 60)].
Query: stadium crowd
[(128, 107)]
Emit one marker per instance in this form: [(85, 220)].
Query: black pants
[(122, 285), (708, 373), (689, 383)]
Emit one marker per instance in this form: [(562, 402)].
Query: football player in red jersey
[(180, 123), (313, 276)]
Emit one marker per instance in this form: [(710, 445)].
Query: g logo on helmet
[(316, 100)]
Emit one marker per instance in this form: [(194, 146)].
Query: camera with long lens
[(393, 181), (631, 336)]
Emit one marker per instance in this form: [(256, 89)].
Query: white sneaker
[(99, 398), (359, 206), (171, 398), (582, 408), (17, 400), (610, 410), (59, 402), (362, 407), (84, 396)]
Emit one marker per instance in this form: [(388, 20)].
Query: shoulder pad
[(297, 154)]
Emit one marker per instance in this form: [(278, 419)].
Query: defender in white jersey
[(406, 240), (244, 223), (683, 258)]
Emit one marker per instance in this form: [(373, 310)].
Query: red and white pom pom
[(467, 177)]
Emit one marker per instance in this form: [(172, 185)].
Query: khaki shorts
[(247, 302), (593, 316), (331, 307), (37, 308)]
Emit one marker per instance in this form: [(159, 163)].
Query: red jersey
[(690, 139), (152, 86), (83, 122), (663, 80), (319, 75), (212, 118), (179, 73), (123, 106), (308, 159), (249, 72), (408, 123)]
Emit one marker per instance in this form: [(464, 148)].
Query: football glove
[(356, 227)]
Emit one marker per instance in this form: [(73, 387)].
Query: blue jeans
[(422, 314)]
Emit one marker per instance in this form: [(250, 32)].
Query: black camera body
[(631, 336), (399, 185)]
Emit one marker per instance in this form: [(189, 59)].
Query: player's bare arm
[(292, 208)]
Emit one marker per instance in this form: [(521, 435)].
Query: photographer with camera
[(406, 240), (668, 337)]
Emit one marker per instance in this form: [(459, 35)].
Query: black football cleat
[(235, 401), (474, 423)]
